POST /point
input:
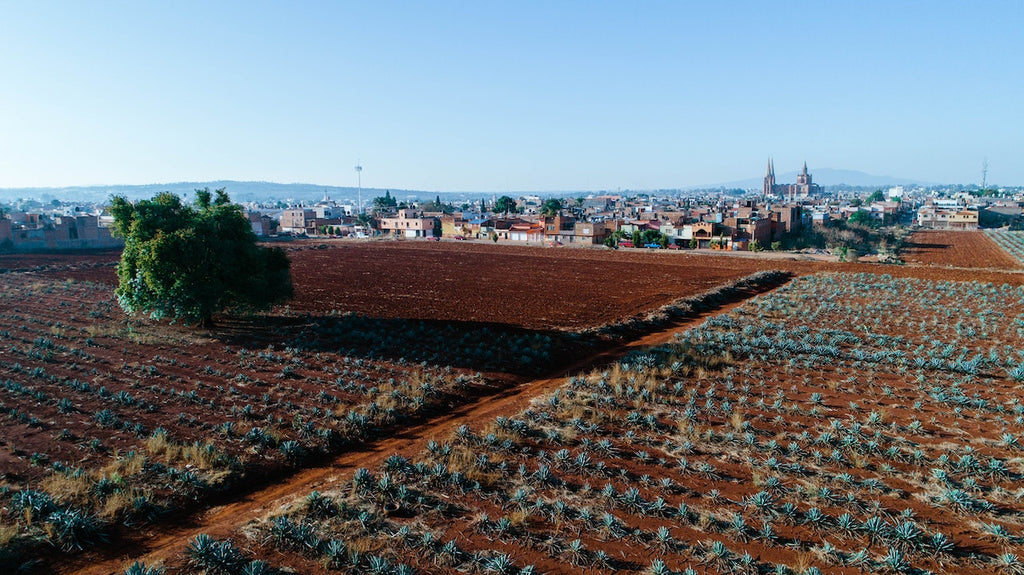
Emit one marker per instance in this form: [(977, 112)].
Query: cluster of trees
[(875, 196), (502, 205), (385, 202), (848, 239), (188, 262), (638, 237)]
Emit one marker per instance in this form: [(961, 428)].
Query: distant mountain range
[(827, 177), (293, 193), (239, 191)]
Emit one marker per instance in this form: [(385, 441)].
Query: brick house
[(408, 223)]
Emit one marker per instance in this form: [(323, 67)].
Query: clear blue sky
[(494, 96)]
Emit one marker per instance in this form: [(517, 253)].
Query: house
[(597, 205), (408, 223), (326, 211), (786, 219), (757, 229), (480, 227), (454, 225), (315, 226), (591, 232), (526, 231), (502, 227), (679, 234), (1001, 214), (41, 232), (293, 220), (937, 218), (560, 229), (704, 233), (262, 225), (886, 212)]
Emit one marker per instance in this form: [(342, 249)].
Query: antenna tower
[(984, 174), (359, 189)]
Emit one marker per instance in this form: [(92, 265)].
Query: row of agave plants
[(842, 423), (210, 556), (106, 424), (1011, 241)]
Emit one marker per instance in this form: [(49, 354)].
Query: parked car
[(674, 246), (458, 238), (625, 244), (653, 246), (434, 238)]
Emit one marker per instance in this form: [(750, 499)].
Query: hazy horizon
[(453, 96), (831, 178)]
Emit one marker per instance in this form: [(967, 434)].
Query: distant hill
[(827, 177), (243, 192), (239, 192), (308, 193)]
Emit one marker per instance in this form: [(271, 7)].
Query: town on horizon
[(797, 215)]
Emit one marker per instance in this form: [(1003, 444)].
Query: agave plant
[(212, 556), (74, 529), (895, 562), (501, 563), (256, 567), (658, 567), (875, 528), (140, 568), (1010, 563), (939, 544)]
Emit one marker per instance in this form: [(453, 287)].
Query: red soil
[(906, 410), (538, 288), (541, 288), (511, 285), (968, 249), (166, 544)]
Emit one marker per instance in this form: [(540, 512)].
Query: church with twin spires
[(801, 190)]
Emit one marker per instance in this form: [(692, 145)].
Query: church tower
[(803, 179), (769, 179)]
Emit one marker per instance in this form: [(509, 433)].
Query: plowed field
[(969, 249), (538, 288), (511, 285)]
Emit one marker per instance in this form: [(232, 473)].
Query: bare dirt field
[(546, 288), (529, 287), (533, 287), (967, 249)]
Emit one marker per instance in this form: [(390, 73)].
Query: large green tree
[(551, 207), (385, 202), (862, 218), (504, 205), (188, 262)]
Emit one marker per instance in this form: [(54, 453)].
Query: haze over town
[(453, 96)]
